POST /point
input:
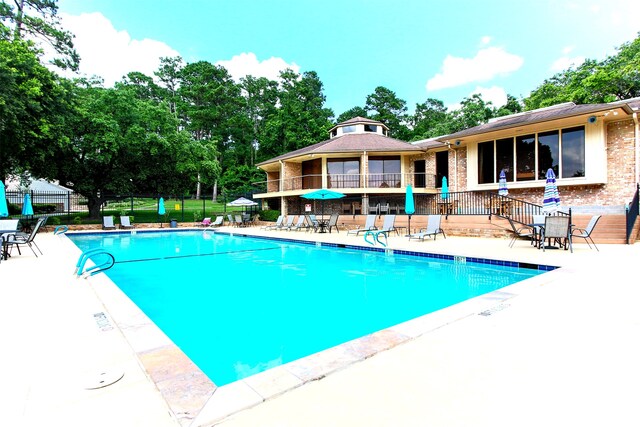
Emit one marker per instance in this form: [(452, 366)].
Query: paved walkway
[(564, 351)]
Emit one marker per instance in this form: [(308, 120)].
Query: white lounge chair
[(432, 230), (369, 224)]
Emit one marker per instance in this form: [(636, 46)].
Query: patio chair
[(556, 228), (21, 239), (388, 225), (519, 231), (369, 224), (333, 222), (313, 222), (107, 223), (278, 224), (301, 223), (432, 230), (585, 233), (125, 221), (218, 222), (238, 222), (286, 224), (206, 222)]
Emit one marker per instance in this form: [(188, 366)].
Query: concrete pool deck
[(557, 351)]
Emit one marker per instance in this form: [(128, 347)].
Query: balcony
[(365, 182)]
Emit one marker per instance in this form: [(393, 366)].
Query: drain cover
[(102, 379)]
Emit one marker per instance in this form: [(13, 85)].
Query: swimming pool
[(240, 305)]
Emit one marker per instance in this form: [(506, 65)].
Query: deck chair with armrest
[(300, 224), (286, 224), (277, 225), (432, 230), (520, 231), (388, 225), (369, 224), (585, 233), (556, 228), (218, 222), (239, 221), (125, 222), (107, 223), (206, 222), (22, 239), (313, 222)]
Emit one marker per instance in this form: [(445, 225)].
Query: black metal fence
[(59, 203)]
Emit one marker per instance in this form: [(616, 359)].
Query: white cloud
[(564, 63), (487, 64), (247, 64), (485, 40), (109, 53), (494, 94)]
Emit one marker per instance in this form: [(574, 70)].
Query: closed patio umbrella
[(551, 200), (27, 209), (445, 189), (409, 206), (4, 210), (502, 184), (161, 210), (323, 195)]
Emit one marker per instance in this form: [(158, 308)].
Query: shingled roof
[(555, 112), (350, 143)]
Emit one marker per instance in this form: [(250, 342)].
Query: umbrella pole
[(409, 228)]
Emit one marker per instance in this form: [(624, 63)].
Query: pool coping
[(196, 400)]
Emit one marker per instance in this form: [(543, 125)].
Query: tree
[(301, 120), (119, 143), (32, 108), (428, 119), (351, 113), (260, 97), (384, 106), (615, 78), (37, 19), (473, 112)]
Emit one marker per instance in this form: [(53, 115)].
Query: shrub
[(269, 215), (54, 220), (77, 220)]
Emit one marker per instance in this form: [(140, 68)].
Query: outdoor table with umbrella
[(242, 202), (323, 195)]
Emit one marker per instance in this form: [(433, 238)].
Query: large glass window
[(370, 128), (561, 150), (348, 129), (384, 172), (504, 157), (343, 173), (525, 158), (573, 165), (548, 153), (485, 163)]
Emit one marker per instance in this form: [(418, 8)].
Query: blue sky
[(419, 49)]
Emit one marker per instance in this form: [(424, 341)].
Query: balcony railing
[(338, 181)]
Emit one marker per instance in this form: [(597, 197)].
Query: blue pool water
[(239, 305)]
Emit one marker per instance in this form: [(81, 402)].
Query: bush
[(77, 220), (54, 220), (269, 215)]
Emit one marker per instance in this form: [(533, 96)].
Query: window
[(504, 158), (334, 133), (370, 128), (525, 158), (384, 172), (348, 129), (485, 163), (530, 156), (548, 153), (573, 152), (343, 173)]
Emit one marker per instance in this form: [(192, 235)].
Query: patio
[(557, 351)]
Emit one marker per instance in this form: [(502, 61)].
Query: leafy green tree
[(384, 106), (240, 179), (118, 143), (512, 106), (428, 119), (615, 78), (261, 98), (474, 111), (32, 108), (169, 76), (351, 113), (38, 19), (301, 119), (208, 104)]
